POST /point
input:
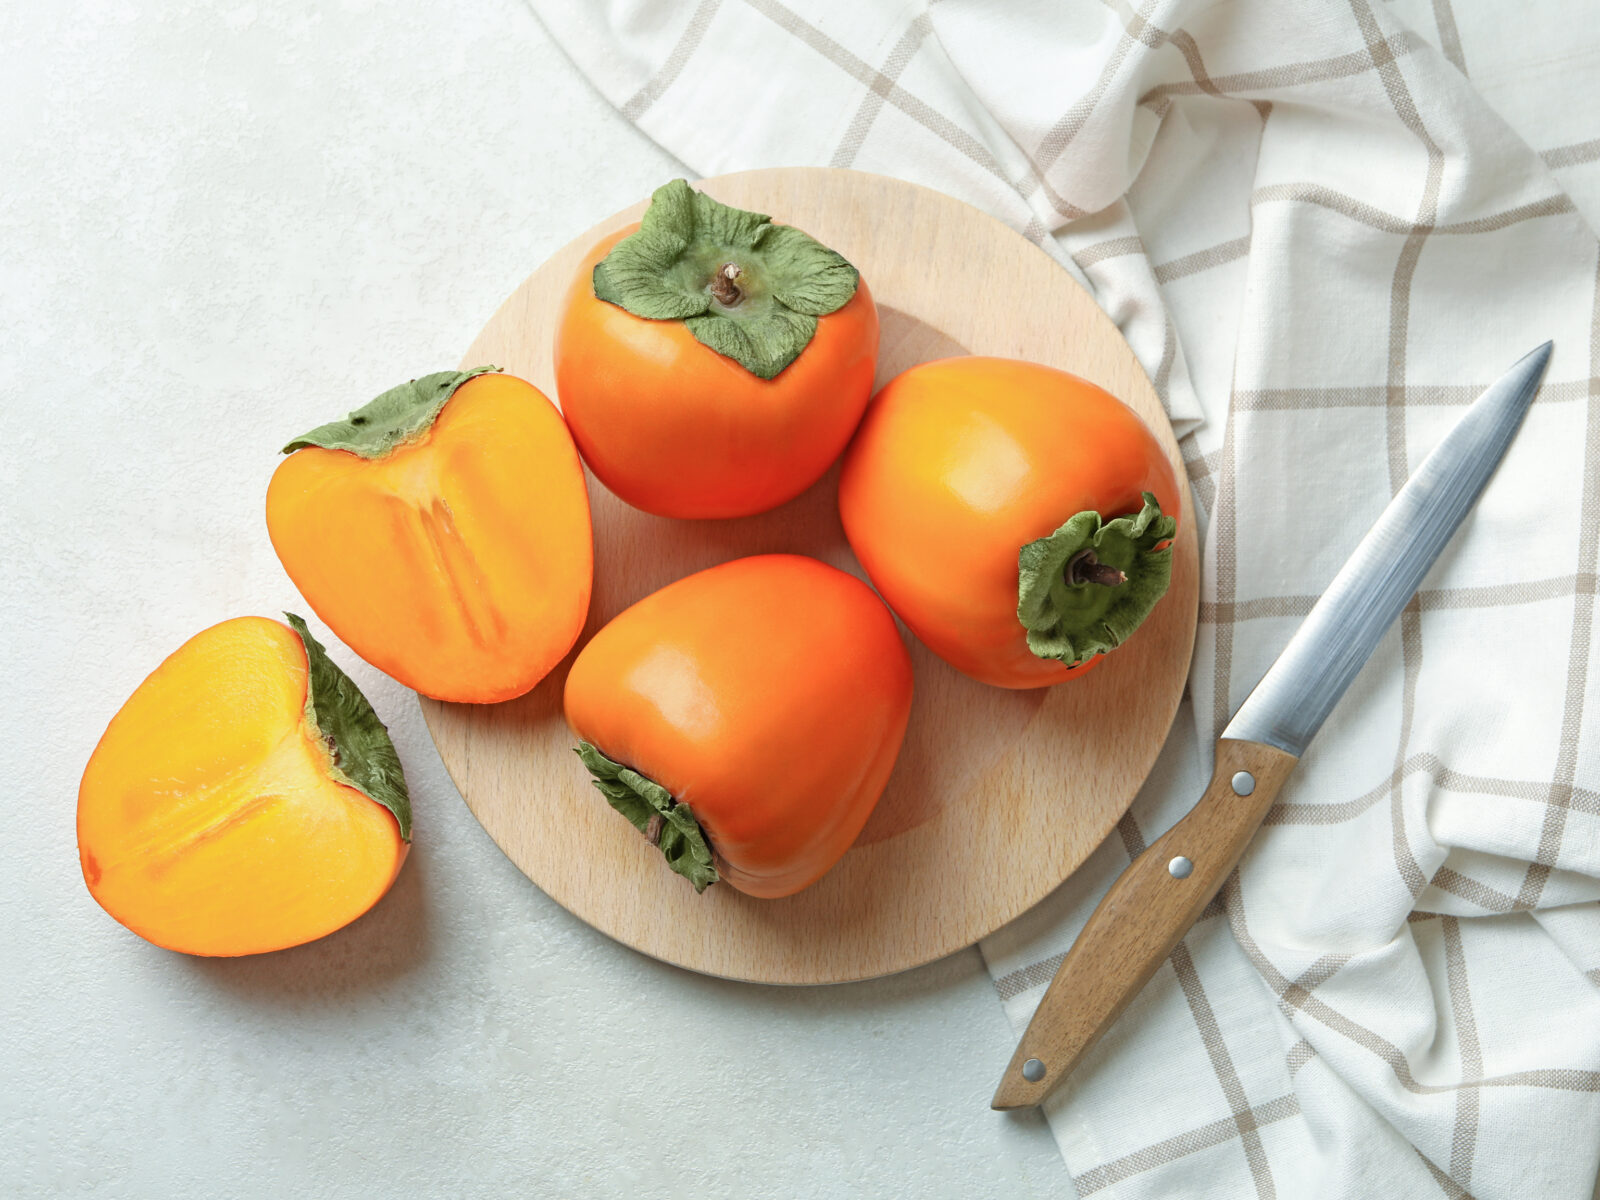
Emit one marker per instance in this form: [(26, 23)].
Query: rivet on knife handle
[(1144, 915)]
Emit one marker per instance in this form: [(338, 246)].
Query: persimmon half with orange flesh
[(246, 797), (442, 531)]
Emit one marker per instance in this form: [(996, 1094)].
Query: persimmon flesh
[(455, 557), (216, 817)]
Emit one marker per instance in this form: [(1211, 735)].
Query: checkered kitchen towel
[(1323, 229)]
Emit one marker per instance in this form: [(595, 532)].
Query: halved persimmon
[(245, 798), (442, 532)]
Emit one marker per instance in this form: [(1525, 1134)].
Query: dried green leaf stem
[(748, 289)]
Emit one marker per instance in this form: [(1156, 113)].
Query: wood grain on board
[(998, 795)]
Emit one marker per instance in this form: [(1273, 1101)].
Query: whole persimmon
[(246, 797), (442, 531), (1017, 518), (711, 363), (745, 718)]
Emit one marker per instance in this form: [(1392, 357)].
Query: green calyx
[(363, 757), (748, 289), (398, 416), (1083, 590), (651, 810)]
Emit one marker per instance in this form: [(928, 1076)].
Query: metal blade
[(1298, 692)]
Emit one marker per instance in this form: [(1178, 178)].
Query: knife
[(1155, 901)]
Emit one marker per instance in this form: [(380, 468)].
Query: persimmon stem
[(1085, 567), (723, 288)]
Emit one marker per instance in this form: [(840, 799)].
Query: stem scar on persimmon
[(1086, 567), (724, 285)]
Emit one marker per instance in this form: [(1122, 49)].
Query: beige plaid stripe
[(1299, 1055), (1031, 976), (1416, 395), (1190, 50), (1464, 1143), (1169, 354), (694, 33), (1573, 155), (1583, 800), (1310, 193), (1342, 66), (924, 114), (1493, 595), (1319, 972), (1448, 879), (1449, 36), (1203, 260), (1136, 31), (1110, 248), (1452, 1189), (1171, 1149), (1188, 264), (1227, 1074), (1200, 468), (1555, 1078), (1197, 465), (872, 103), (1561, 789), (1359, 210)]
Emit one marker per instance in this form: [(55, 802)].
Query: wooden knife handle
[(1144, 915)]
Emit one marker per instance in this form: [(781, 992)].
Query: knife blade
[(1154, 902)]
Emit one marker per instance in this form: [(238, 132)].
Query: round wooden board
[(998, 795)]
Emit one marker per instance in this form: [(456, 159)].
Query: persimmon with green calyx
[(442, 532), (710, 362), (1017, 518), (246, 798), (745, 719)]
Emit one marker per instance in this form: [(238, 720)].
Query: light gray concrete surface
[(221, 224)]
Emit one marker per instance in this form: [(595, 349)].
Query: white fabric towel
[(1322, 237)]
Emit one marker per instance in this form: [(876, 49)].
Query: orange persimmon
[(442, 532), (711, 363), (245, 798), (1017, 518), (757, 706)]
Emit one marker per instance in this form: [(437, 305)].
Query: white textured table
[(221, 224)]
